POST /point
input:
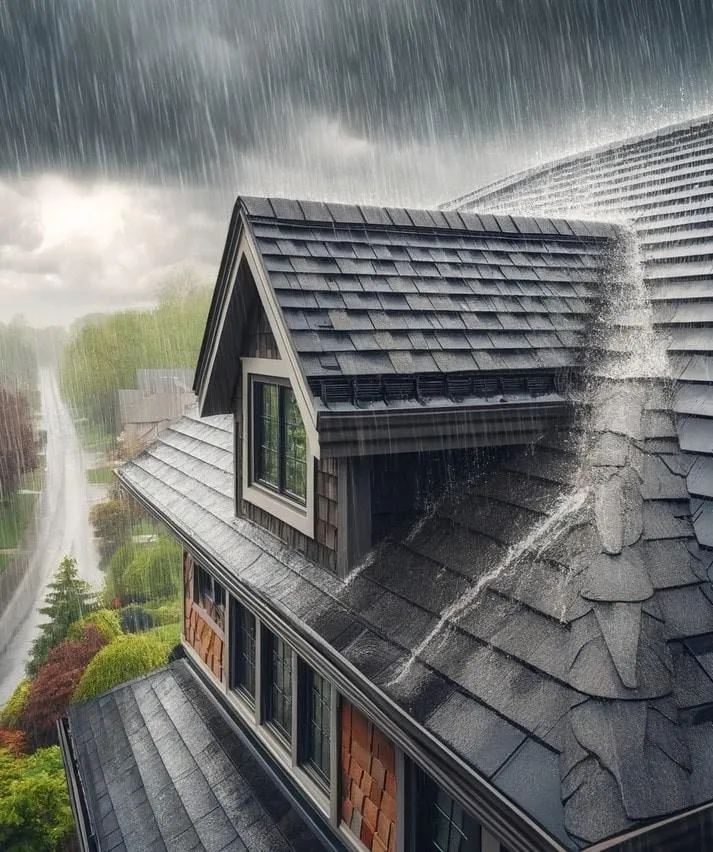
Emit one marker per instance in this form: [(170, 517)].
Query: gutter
[(77, 797), (516, 829)]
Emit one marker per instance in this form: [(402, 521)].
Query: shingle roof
[(661, 184), (162, 770), (384, 292), (369, 291), (575, 649)]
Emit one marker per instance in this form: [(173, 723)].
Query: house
[(446, 585), (160, 397)]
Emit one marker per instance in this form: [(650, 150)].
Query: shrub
[(13, 741), (11, 714), (55, 682), (154, 572), (135, 619), (170, 633), (114, 579), (105, 620), (126, 658), (34, 805), (165, 613)]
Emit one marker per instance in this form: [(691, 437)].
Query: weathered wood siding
[(368, 781), (261, 341), (203, 628)]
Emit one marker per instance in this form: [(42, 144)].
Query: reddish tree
[(56, 680), (14, 741), (18, 452)]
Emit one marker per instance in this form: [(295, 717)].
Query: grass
[(16, 515), (100, 475), (95, 437)]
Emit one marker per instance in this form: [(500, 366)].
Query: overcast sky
[(127, 127)]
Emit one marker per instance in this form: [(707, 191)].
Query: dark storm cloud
[(186, 88)]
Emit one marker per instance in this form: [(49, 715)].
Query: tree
[(55, 682), (69, 598), (35, 813), (18, 452), (112, 521)]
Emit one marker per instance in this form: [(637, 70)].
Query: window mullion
[(259, 670), (297, 714), (334, 747)]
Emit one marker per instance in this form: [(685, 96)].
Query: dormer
[(364, 351)]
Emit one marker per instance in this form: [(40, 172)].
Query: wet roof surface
[(163, 770), (381, 291), (571, 668), (661, 184)]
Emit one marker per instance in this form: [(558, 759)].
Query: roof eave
[(77, 799)]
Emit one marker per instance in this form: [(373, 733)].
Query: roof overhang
[(77, 799), (448, 427)]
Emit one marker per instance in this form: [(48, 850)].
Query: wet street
[(63, 529)]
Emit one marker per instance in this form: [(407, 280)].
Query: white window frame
[(298, 516)]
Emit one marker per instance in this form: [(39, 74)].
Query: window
[(209, 594), (315, 724), (440, 824), (278, 685), (243, 651), (279, 440), (451, 828)]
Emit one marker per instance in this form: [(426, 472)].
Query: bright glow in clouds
[(71, 212)]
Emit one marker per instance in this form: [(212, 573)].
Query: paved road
[(63, 530)]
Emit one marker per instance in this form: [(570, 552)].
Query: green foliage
[(100, 475), (18, 355), (18, 451), (112, 521), (155, 571), (168, 612), (126, 658), (105, 620), (35, 813), (106, 352), (170, 633), (69, 598), (136, 619), (143, 572), (15, 516), (11, 713)]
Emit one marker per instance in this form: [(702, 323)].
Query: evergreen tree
[(68, 599)]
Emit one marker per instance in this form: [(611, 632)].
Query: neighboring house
[(161, 397), (446, 586)]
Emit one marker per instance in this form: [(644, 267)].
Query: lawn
[(100, 475), (15, 516)]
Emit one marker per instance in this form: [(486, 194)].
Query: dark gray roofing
[(369, 291), (661, 184), (387, 293), (163, 770), (567, 667)]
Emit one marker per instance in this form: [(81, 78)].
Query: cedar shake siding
[(261, 341), (368, 778), (204, 623)]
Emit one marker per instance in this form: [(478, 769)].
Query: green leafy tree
[(112, 521), (69, 599), (35, 813), (106, 351), (11, 713)]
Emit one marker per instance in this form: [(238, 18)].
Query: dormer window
[(278, 445), (280, 441)]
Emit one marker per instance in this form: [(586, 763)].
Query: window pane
[(451, 829), (267, 425), (295, 447), (316, 725), (279, 694), (244, 650)]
